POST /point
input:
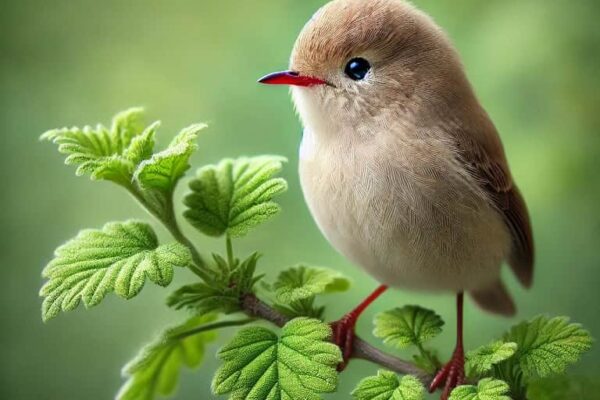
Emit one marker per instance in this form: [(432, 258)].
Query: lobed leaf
[(163, 170), (125, 126), (387, 386), (486, 389), (117, 258), (141, 147), (235, 195), (155, 370), (409, 325), (224, 289), (106, 154), (302, 282), (257, 364), (481, 360), (301, 308), (547, 346), (203, 298)]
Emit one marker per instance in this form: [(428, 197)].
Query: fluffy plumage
[(404, 172)]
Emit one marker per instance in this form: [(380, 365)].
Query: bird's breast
[(403, 210)]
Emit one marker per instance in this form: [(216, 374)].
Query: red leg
[(343, 329), (453, 373)]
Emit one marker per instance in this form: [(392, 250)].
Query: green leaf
[(409, 325), (155, 370), (295, 289), (163, 170), (225, 290), (301, 308), (125, 126), (387, 386), (235, 195), (486, 389), (302, 282), (547, 346), (257, 364), (203, 298), (117, 258), (106, 154), (481, 360), (142, 146)]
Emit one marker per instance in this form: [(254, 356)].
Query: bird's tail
[(495, 299)]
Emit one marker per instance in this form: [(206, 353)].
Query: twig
[(254, 307), (212, 327)]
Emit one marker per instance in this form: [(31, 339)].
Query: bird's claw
[(451, 375), (343, 337)]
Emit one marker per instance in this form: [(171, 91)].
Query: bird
[(400, 165)]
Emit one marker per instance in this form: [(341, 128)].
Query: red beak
[(291, 78)]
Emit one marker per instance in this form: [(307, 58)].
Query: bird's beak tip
[(291, 78)]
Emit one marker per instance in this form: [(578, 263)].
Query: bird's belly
[(404, 235)]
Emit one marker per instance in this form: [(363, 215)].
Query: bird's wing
[(488, 164)]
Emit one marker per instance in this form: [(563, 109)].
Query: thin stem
[(229, 251), (137, 194), (168, 219), (171, 223), (211, 327), (422, 351), (426, 354)]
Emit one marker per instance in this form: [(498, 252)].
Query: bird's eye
[(357, 69)]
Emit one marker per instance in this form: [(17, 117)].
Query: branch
[(212, 327), (254, 307)]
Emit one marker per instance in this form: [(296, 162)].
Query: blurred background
[(534, 63)]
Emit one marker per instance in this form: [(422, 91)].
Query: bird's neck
[(328, 126)]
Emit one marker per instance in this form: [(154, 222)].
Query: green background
[(535, 65)]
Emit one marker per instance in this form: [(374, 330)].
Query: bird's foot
[(343, 337), (451, 375)]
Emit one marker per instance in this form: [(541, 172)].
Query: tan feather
[(491, 170)]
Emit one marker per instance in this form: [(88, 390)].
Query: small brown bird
[(400, 165)]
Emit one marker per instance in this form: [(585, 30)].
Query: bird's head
[(357, 61)]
